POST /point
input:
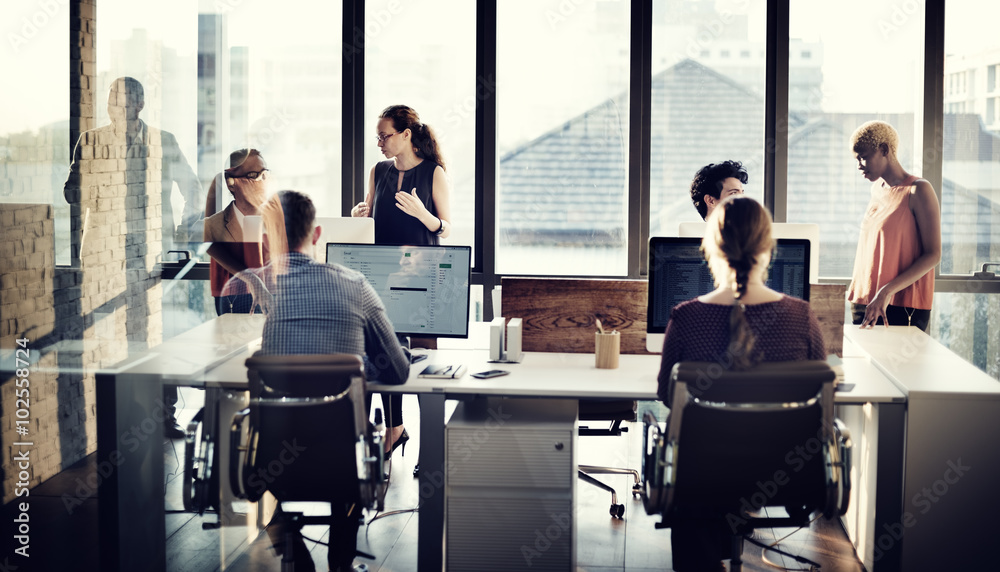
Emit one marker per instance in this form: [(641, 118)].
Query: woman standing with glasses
[(408, 195), (409, 198), (246, 179)]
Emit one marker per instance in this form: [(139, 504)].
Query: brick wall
[(103, 307), (27, 311)]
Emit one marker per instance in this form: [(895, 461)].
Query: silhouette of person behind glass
[(144, 155), (119, 186)]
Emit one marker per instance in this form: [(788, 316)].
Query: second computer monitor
[(425, 289), (678, 272), (779, 230)]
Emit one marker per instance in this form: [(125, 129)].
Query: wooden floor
[(64, 540)]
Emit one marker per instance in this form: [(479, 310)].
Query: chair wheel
[(617, 510), (636, 490)]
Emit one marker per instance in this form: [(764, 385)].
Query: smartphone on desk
[(489, 374)]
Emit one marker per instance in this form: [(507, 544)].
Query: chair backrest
[(307, 415), (761, 437)]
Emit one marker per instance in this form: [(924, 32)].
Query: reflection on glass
[(968, 324), (34, 124), (970, 196), (708, 71), (562, 137), (835, 86), (971, 167)]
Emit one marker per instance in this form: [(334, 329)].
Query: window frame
[(638, 200)]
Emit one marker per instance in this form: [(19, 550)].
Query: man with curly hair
[(716, 181)]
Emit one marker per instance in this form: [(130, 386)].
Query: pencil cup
[(606, 350)]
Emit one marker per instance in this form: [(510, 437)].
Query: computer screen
[(678, 272), (425, 289), (779, 230)]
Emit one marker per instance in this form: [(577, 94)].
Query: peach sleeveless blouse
[(889, 243)]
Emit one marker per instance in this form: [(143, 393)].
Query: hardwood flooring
[(68, 541)]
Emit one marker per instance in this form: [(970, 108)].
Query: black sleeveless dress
[(392, 225)]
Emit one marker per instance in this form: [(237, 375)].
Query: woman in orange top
[(900, 243)]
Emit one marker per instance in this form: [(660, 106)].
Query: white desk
[(568, 376), (213, 355), (130, 414), (950, 470)]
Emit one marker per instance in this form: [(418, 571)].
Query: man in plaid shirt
[(322, 309)]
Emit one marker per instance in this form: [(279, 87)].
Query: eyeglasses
[(252, 175), (382, 138)]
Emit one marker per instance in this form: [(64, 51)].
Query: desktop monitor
[(809, 231), (678, 272), (333, 229), (425, 289), (345, 229)]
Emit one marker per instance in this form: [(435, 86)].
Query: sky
[(34, 38)]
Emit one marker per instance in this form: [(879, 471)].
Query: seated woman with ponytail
[(738, 325)]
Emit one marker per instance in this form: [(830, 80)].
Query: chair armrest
[(842, 433), (235, 447), (843, 437)]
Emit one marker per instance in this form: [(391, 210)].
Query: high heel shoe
[(400, 442)]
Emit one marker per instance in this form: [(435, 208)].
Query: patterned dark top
[(393, 226), (326, 308), (786, 330)]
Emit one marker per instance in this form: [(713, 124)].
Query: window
[(967, 321), (835, 95), (970, 208), (214, 83), (416, 57), (967, 324), (703, 111), (34, 126), (562, 137)]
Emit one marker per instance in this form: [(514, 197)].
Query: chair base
[(617, 510)]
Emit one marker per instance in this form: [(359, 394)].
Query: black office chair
[(615, 411), (737, 442), (308, 439)]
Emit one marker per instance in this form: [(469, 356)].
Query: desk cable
[(813, 566), (179, 463)]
